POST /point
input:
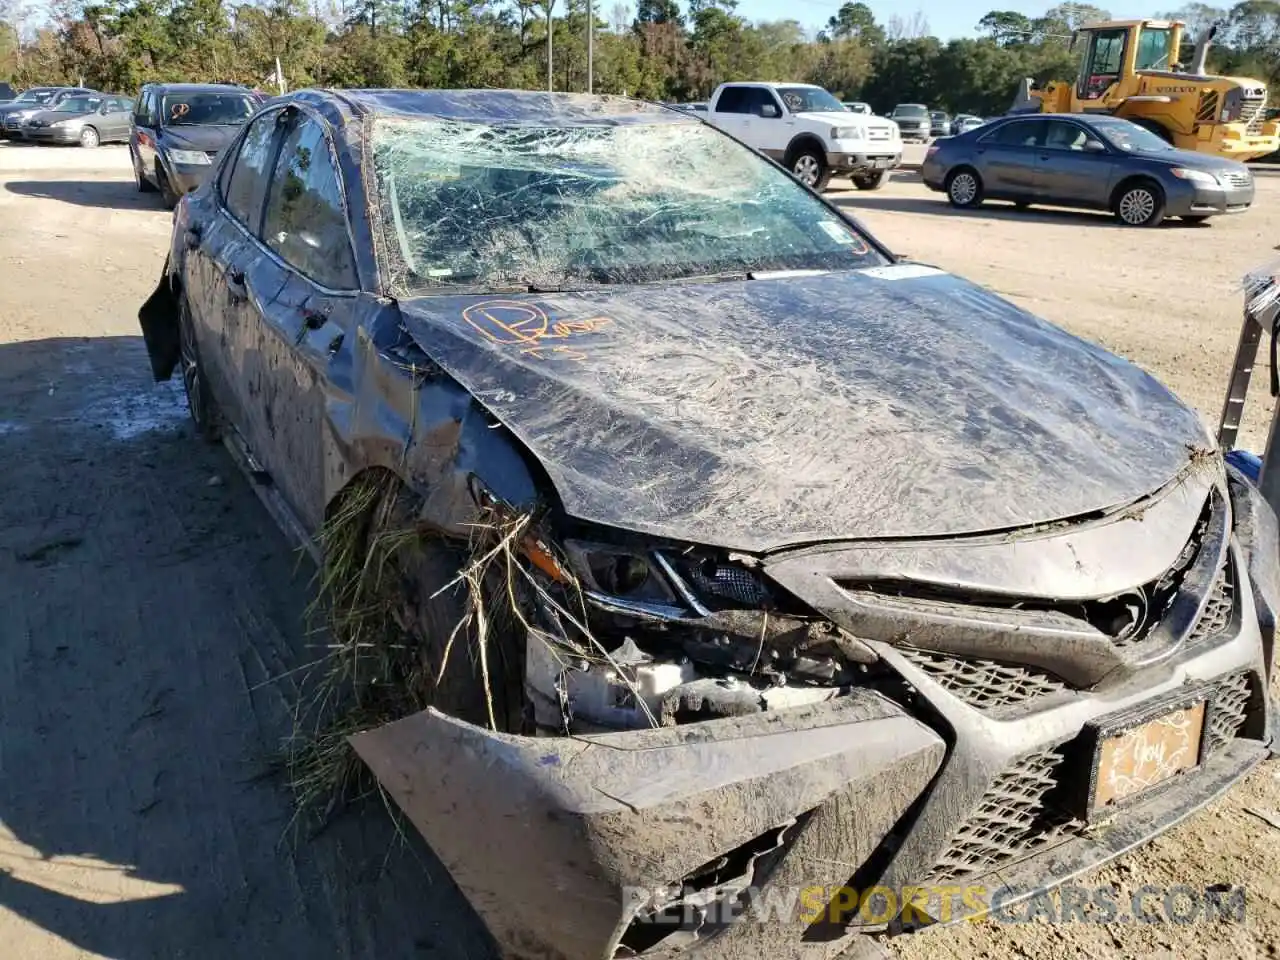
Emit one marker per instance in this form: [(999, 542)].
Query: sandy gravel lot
[(148, 598)]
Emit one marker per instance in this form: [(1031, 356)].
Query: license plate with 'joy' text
[(1132, 761)]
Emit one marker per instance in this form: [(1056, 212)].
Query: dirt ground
[(149, 600)]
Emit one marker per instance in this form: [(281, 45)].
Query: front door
[(302, 326), (1007, 158), (1070, 174)]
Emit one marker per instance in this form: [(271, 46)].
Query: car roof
[(198, 87), (494, 106)]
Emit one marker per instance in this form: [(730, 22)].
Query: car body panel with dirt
[(724, 555)]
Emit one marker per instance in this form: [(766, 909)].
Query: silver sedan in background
[(85, 120)]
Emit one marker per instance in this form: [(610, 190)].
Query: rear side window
[(246, 188), (305, 222)]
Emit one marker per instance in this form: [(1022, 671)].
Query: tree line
[(657, 49)]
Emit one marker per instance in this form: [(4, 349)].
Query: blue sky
[(947, 18)]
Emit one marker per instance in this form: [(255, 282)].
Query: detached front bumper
[(558, 842)]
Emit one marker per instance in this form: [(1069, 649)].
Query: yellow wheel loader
[(1129, 69)]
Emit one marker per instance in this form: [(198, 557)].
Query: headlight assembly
[(189, 158), (846, 133), (1195, 176)]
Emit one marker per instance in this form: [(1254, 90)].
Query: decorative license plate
[(1136, 759)]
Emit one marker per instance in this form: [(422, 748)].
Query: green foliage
[(665, 50)]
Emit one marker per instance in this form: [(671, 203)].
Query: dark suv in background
[(178, 130), (913, 120)]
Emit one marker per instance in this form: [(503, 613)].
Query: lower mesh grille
[(1229, 710), (1012, 819), (984, 683), (1022, 810)]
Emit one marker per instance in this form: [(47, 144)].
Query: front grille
[(1252, 115), (1021, 813), (1012, 820), (876, 133), (1238, 180), (1218, 612), (984, 684), (1207, 109)]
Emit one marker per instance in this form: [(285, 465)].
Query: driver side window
[(305, 222)]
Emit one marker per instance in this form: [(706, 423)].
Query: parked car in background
[(178, 131), (882, 554), (698, 107), (808, 131), (964, 122), (857, 106), (939, 124), (1101, 163), (88, 120), (913, 121), (15, 113)]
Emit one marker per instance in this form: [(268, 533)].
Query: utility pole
[(591, 33), (550, 5)]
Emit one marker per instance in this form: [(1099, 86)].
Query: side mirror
[(1095, 146), (770, 111)]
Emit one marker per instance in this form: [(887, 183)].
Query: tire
[(1194, 219), (195, 384), (419, 582), (168, 195), (1139, 203), (89, 138), (870, 181), (144, 185), (809, 166), (964, 188)]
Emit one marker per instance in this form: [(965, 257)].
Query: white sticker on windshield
[(903, 271), (836, 232)]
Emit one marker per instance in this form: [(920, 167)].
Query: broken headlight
[(696, 584)]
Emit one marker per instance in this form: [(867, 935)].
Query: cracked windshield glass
[(524, 207)]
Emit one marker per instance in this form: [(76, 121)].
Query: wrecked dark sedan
[(689, 553)]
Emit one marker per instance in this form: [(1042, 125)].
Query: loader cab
[(1113, 52)]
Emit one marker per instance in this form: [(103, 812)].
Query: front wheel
[(1140, 205), (200, 403), (810, 168), (870, 181), (964, 188), (167, 193), (89, 138)]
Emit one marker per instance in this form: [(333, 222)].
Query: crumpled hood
[(894, 402), (200, 137)]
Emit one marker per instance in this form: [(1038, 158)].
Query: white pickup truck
[(808, 131)]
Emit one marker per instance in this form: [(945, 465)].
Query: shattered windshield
[(548, 207)]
